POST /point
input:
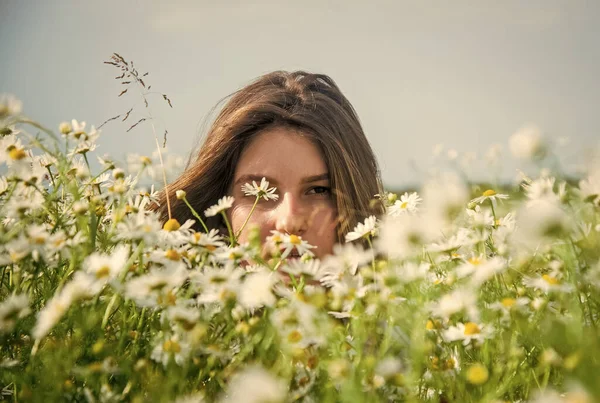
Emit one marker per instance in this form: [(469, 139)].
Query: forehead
[(282, 154)]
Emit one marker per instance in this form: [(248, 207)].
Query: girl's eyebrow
[(316, 178), (248, 178)]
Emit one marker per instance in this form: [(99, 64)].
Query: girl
[(297, 130)]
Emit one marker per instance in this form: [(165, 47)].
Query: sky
[(455, 77)]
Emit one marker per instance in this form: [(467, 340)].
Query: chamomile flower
[(407, 204), (184, 317), (223, 204), (368, 228), (462, 299), (490, 195), (254, 385), (547, 283), (480, 269), (9, 105), (13, 308), (260, 190), (106, 267), (170, 348), (527, 143), (289, 242), (257, 290), (467, 332)]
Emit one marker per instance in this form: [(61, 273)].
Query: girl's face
[(293, 164)]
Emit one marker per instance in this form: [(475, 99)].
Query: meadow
[(464, 293)]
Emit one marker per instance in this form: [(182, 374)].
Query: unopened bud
[(118, 173), (180, 194), (65, 128)]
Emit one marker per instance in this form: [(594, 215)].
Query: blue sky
[(465, 74)]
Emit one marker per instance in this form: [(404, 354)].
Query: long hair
[(310, 103)]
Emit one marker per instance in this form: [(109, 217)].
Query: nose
[(290, 215)]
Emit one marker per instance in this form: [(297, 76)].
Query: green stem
[(112, 302), (232, 239), (493, 213), (248, 218), (195, 214)]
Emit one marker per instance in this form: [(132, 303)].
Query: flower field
[(464, 293)]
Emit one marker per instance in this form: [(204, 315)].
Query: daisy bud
[(392, 197), (171, 225), (65, 128), (5, 131), (180, 194), (80, 207), (118, 173)]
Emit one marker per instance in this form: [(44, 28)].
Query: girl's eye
[(320, 190)]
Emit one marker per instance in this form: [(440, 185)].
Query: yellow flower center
[(295, 336), (489, 193), (102, 272), (508, 302), (17, 154), (295, 239), (172, 254), (550, 280), (39, 240), (475, 261), (404, 205), (171, 346), (471, 329), (477, 374), (172, 225), (210, 248)]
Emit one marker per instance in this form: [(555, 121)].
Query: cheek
[(237, 216), (324, 230)]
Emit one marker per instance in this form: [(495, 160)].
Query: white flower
[(590, 187), (527, 143), (491, 195), (346, 257), (310, 269), (363, 230), (404, 236), (107, 267), (183, 316), (480, 269), (290, 242), (9, 105), (444, 198), (170, 347), (260, 190), (254, 385), (467, 332), (223, 204), (257, 290), (13, 308), (541, 190), (539, 224), (81, 287), (217, 284), (406, 204), (547, 283), (457, 301), (158, 287)]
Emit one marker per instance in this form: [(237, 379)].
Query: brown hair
[(311, 103)]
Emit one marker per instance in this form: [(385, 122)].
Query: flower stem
[(195, 214), (248, 218), (232, 238)]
